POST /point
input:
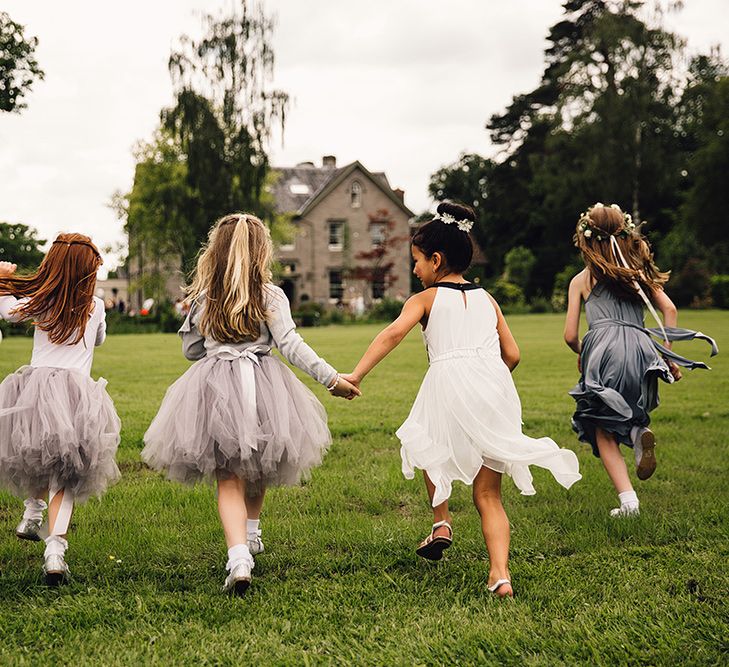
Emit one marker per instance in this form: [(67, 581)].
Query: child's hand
[(7, 269), (675, 371), (352, 379), (345, 389)]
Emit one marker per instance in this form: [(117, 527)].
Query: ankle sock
[(253, 527), (55, 546), (236, 554), (629, 500), (34, 508)]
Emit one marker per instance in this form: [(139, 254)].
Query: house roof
[(299, 189)]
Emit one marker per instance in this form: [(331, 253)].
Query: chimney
[(305, 164), (400, 194), (329, 162)]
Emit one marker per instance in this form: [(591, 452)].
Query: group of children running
[(241, 418)]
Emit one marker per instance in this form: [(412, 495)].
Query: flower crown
[(588, 230), (447, 219)]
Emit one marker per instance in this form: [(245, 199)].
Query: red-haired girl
[(58, 428)]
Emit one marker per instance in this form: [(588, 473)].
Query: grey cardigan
[(277, 331)]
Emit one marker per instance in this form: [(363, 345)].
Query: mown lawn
[(339, 582)]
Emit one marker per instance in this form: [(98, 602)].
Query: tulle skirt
[(468, 415), (200, 430), (58, 427)]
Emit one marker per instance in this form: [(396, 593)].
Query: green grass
[(339, 582)]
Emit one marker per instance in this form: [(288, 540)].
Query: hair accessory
[(586, 225), (70, 243), (446, 218)]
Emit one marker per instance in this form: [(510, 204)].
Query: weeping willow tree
[(209, 156)]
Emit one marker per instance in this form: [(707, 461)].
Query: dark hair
[(447, 239)]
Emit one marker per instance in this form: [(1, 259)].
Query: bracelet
[(334, 384)]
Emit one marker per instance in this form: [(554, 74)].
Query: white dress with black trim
[(467, 413)]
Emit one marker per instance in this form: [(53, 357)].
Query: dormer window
[(299, 189), (356, 195)]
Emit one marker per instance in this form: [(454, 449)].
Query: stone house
[(340, 216)]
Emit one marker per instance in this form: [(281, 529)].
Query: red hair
[(61, 292)]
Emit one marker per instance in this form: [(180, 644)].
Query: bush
[(309, 314), (15, 329), (385, 310), (720, 290), (506, 293), (540, 305), (561, 286), (691, 285)]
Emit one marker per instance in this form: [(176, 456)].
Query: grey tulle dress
[(621, 366), (58, 426), (240, 411)]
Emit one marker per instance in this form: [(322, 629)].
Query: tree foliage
[(617, 117), (20, 244), (18, 66)]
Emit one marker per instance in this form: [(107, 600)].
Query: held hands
[(7, 269), (343, 388)]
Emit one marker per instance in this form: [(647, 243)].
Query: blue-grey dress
[(621, 365)]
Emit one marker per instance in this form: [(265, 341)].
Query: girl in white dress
[(59, 431), (465, 423)]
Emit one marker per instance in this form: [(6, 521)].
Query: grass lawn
[(340, 583)]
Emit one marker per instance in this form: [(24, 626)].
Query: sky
[(403, 86)]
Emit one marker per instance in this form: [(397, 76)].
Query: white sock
[(34, 508), (253, 527), (237, 553), (629, 500), (55, 546)]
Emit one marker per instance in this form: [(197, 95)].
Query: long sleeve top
[(78, 356), (277, 331)]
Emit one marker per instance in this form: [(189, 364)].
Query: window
[(336, 234), (299, 189), (336, 289), (288, 268), (378, 286), (378, 231), (287, 247), (356, 194)]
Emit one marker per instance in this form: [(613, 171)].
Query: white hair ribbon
[(621, 260)]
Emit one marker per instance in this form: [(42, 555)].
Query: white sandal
[(499, 584), (434, 547)]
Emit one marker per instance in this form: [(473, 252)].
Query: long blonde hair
[(592, 237), (61, 292), (232, 271)]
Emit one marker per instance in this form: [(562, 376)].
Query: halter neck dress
[(621, 366), (467, 413)]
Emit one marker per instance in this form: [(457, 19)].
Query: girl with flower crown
[(465, 423), (619, 360)]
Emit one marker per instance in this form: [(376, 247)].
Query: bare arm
[(509, 349), (389, 338), (663, 303), (572, 320)]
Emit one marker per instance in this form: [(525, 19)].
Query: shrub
[(691, 285), (561, 286), (385, 310), (506, 293), (540, 305), (309, 314), (720, 290)]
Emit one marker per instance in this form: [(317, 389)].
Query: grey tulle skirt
[(199, 432), (58, 427)]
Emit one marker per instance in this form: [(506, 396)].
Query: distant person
[(239, 415), (121, 306), (619, 362), (465, 423), (59, 431)]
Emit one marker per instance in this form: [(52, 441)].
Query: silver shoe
[(255, 545), (239, 578), (29, 529), (55, 570)]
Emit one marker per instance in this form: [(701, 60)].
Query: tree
[(19, 244), (18, 66)]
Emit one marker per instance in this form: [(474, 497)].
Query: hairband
[(446, 218), (86, 243)]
